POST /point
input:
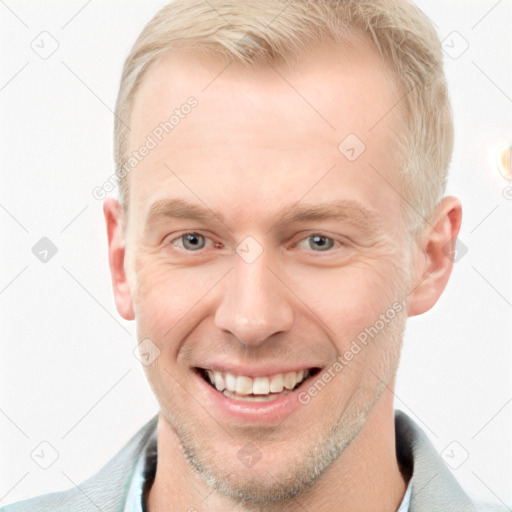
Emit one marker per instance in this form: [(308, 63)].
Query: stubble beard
[(297, 476)]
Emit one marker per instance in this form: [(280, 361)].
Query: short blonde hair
[(273, 30)]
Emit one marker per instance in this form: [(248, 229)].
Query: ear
[(116, 258), (434, 255)]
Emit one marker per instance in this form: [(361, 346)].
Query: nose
[(255, 304)]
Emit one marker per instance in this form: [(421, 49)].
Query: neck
[(365, 477)]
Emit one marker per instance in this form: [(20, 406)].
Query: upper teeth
[(244, 385)]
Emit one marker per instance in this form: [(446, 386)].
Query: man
[(282, 168)]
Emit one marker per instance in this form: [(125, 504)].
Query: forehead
[(264, 130)]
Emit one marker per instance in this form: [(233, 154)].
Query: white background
[(68, 374)]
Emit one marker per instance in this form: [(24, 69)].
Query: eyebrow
[(341, 210), (178, 209)]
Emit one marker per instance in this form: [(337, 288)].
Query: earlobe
[(435, 257), (116, 258)]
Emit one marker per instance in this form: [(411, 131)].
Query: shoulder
[(434, 487), (57, 501), (491, 507), (104, 491)]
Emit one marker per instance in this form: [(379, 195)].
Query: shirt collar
[(404, 506), (142, 477)]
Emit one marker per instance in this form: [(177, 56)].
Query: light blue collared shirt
[(144, 474), (146, 467)]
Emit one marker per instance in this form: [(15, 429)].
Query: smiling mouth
[(256, 389)]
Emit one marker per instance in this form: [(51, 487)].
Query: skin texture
[(259, 141)]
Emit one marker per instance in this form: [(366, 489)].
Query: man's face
[(298, 249)]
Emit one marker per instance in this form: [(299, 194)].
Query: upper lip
[(256, 371)]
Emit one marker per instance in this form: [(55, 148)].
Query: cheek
[(168, 296), (352, 298)]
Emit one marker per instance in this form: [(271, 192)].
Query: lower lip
[(245, 411)]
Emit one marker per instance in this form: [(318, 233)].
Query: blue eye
[(192, 241), (320, 243)]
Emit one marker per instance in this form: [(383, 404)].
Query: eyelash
[(311, 235)]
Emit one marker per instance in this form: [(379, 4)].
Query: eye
[(190, 241), (318, 243)]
